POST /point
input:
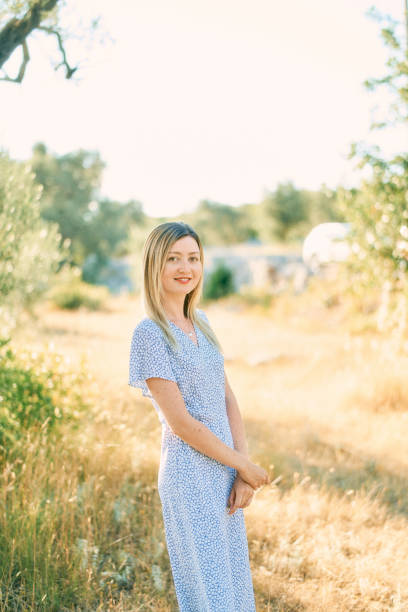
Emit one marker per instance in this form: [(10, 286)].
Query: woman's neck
[(174, 308)]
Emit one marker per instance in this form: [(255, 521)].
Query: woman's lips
[(183, 281)]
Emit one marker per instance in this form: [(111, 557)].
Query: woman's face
[(183, 268)]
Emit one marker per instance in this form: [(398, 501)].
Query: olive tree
[(20, 19), (378, 209), (29, 252)]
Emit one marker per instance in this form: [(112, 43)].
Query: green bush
[(77, 294), (29, 252), (219, 283), (37, 392)]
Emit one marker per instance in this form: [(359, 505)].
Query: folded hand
[(241, 495)]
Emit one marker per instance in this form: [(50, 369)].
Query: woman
[(205, 477)]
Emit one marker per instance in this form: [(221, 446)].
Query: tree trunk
[(16, 30)]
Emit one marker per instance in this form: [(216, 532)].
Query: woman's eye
[(173, 257)]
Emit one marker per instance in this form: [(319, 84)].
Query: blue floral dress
[(208, 548)]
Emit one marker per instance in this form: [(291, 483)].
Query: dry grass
[(326, 407)]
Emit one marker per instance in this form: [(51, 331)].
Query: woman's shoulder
[(147, 328)]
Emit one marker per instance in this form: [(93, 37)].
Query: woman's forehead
[(186, 244)]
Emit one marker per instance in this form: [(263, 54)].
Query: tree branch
[(16, 31), (20, 76), (69, 71)]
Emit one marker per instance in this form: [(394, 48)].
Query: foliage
[(70, 293), (289, 213), (92, 537), (17, 8), (396, 80), (284, 208), (378, 210), (218, 223), (29, 252), (37, 392), (378, 214), (20, 19), (79, 525), (219, 283), (93, 226), (285, 214), (321, 206), (70, 183), (134, 245)]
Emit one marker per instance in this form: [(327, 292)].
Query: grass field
[(325, 402)]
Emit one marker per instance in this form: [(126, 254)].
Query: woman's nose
[(184, 265)]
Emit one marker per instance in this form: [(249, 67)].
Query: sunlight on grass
[(325, 409)]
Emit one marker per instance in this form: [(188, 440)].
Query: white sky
[(216, 99)]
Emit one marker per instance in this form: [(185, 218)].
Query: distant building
[(257, 266)]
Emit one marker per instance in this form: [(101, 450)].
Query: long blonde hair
[(155, 250)]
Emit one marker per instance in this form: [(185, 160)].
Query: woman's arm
[(235, 420), (168, 396)]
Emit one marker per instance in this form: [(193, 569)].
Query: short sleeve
[(149, 357)]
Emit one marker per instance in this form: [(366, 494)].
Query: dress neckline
[(196, 344)]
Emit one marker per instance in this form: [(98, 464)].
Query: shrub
[(219, 283), (37, 392), (77, 294)]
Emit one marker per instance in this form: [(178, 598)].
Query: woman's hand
[(240, 496), (254, 474)]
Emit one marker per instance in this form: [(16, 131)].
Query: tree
[(378, 215), (396, 80), (378, 210), (97, 229), (29, 251), (221, 224), (19, 19), (321, 206), (284, 208), (107, 235), (70, 185)]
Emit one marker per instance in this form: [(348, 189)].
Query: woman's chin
[(179, 291)]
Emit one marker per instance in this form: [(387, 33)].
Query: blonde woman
[(205, 477)]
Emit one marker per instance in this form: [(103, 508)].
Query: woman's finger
[(231, 497), (247, 499), (235, 503), (240, 500), (245, 502)]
